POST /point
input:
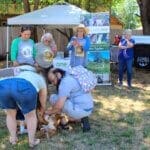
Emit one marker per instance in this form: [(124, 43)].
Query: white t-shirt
[(29, 73), (34, 78)]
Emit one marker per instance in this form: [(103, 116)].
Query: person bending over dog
[(21, 91), (71, 99)]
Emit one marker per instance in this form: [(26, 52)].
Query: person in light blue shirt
[(21, 91), (79, 45), (71, 98)]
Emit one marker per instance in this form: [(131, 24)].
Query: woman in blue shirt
[(79, 45), (71, 99), (125, 57)]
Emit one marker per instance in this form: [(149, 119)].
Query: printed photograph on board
[(95, 19), (99, 61), (99, 38)]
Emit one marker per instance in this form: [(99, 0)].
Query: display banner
[(99, 54)]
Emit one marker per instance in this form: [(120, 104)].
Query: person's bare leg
[(12, 124), (31, 120)]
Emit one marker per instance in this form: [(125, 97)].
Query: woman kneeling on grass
[(71, 99), (21, 91)]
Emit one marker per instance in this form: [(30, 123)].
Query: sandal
[(36, 142), (13, 140)]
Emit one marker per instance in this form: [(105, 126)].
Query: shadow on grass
[(107, 92), (114, 126), (140, 76), (129, 131), (140, 93)]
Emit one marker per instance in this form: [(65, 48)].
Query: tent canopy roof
[(58, 15)]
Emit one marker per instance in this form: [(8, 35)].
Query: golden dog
[(49, 124)]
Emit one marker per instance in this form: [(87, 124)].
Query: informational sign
[(99, 53), (62, 63)]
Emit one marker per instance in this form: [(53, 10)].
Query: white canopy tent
[(61, 15)]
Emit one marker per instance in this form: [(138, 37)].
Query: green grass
[(130, 118), (146, 131), (120, 121)]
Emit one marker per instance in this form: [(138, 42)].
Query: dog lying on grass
[(49, 125)]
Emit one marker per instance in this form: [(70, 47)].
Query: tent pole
[(7, 46), (44, 31)]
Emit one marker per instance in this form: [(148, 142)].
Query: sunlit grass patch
[(130, 118)]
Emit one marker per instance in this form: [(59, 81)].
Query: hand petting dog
[(48, 125)]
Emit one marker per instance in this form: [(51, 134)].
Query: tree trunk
[(144, 6), (26, 6), (27, 9), (36, 4)]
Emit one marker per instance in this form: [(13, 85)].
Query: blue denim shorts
[(17, 92)]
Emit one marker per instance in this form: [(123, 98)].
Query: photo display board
[(99, 54)]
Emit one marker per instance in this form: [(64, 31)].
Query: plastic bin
[(142, 52)]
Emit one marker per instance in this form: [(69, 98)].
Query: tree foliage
[(127, 13), (6, 5), (29, 5), (126, 10)]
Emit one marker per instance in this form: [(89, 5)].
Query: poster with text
[(99, 54)]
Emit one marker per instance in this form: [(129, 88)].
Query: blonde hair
[(127, 31)]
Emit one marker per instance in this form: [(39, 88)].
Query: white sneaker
[(23, 131)]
